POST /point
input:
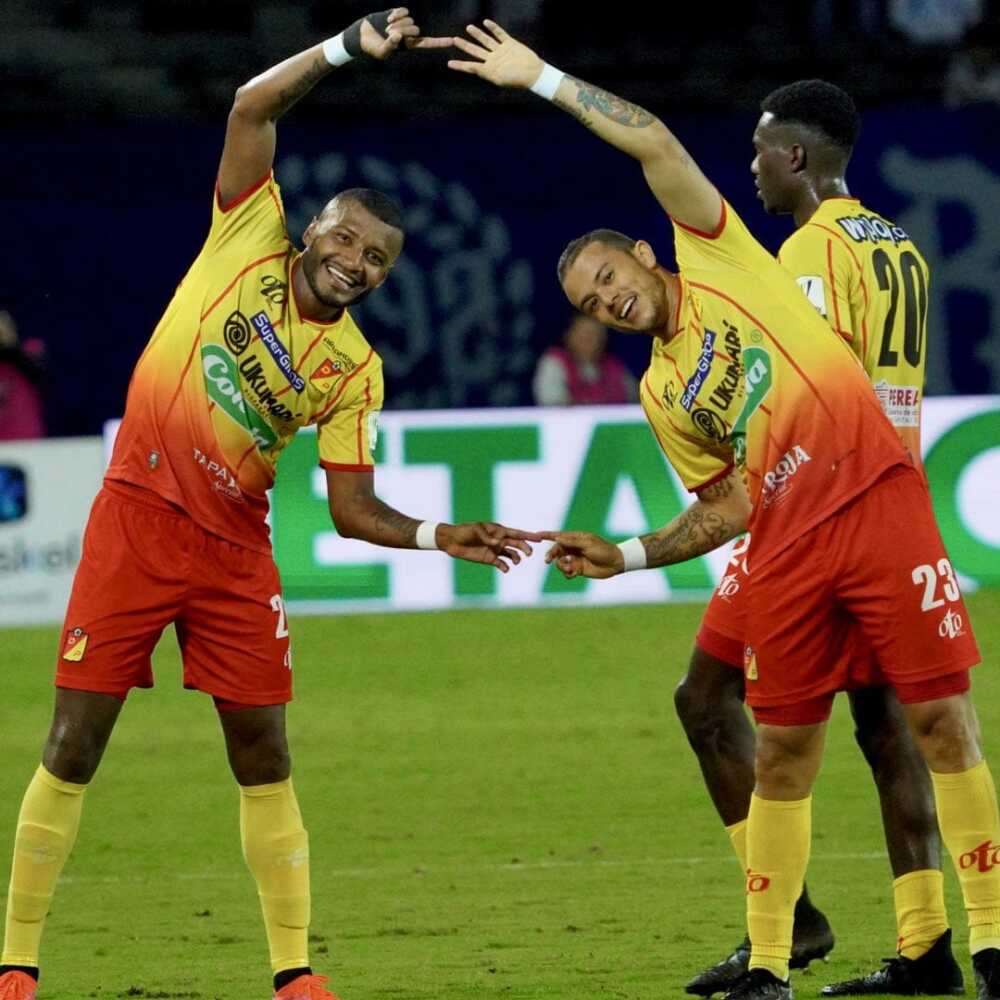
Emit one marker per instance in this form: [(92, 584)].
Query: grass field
[(500, 804)]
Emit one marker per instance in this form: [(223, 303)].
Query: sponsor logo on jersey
[(984, 858), (265, 398), (372, 431), (709, 423), (815, 291), (704, 366), (222, 383), (274, 290), (76, 645), (757, 380), (724, 393), (237, 332), (776, 481), (952, 625), (669, 394), (870, 228), (270, 339), (900, 403), (222, 479)]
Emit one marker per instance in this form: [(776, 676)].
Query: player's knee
[(72, 754), (703, 718), (782, 771), (261, 762), (947, 734)]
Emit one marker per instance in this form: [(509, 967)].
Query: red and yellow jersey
[(754, 375), (234, 369), (868, 280)]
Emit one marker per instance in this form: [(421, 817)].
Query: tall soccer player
[(747, 382), (256, 343), (868, 280)]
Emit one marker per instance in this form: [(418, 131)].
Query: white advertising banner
[(46, 488)]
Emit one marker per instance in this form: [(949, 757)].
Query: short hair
[(609, 237), (384, 208), (819, 105)]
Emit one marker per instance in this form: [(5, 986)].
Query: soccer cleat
[(759, 984), (935, 973), (17, 986), (815, 944), (986, 965), (303, 988)]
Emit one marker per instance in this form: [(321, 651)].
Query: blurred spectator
[(581, 372), (935, 22), (974, 73), (21, 370)]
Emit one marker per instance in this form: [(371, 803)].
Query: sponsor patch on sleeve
[(900, 403), (812, 285)]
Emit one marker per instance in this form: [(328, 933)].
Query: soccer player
[(867, 279), (256, 343), (747, 380)]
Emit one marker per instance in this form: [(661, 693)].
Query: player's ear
[(797, 158), (644, 254), (310, 233)]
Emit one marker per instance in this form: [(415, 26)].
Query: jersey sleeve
[(253, 221), (730, 246), (823, 269), (349, 433), (690, 458)]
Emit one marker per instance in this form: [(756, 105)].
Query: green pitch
[(500, 804)]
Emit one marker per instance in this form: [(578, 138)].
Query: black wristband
[(352, 35)]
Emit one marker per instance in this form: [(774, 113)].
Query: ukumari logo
[(983, 858)]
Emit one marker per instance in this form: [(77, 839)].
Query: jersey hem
[(715, 479), (345, 467)]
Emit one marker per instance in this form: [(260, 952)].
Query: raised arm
[(358, 513), (251, 134), (720, 513), (673, 177)]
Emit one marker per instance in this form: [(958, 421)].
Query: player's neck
[(815, 192), (672, 286), (309, 306)]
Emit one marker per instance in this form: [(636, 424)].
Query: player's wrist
[(335, 51), (346, 46), (427, 535), (548, 82), (633, 554)]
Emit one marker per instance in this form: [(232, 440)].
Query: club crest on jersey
[(328, 369), (270, 339), (76, 645), (704, 366)]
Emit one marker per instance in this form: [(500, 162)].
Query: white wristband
[(426, 531), (634, 554), (548, 82), (336, 54)]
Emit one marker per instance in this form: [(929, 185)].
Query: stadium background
[(502, 801)]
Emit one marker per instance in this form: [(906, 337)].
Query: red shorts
[(876, 573), (146, 564)]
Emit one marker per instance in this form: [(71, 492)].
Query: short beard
[(309, 269)]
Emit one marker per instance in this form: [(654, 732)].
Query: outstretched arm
[(250, 134), (673, 177), (720, 513), (358, 513)]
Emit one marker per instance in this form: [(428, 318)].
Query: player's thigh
[(233, 630), (899, 586), (128, 587), (722, 632), (797, 638)]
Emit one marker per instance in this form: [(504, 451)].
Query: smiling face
[(348, 253), (619, 288), (776, 165)]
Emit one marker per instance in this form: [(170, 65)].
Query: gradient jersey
[(867, 279), (234, 369), (754, 375)]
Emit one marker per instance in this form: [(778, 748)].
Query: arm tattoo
[(697, 531), (616, 109), (296, 90), (392, 528)]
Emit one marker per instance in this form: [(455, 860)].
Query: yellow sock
[(276, 848), (738, 838), (778, 836), (970, 828), (46, 832), (920, 914)]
